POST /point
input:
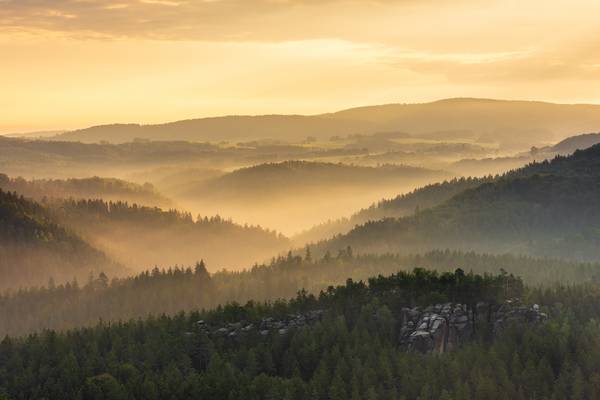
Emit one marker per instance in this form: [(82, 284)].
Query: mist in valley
[(287, 244), (147, 204), (299, 200)]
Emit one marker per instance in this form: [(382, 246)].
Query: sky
[(68, 64)]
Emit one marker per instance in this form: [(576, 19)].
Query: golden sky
[(75, 63)]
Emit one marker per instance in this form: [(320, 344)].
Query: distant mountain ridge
[(227, 128), (506, 121)]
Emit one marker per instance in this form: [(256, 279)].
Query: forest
[(140, 237), (476, 287), (34, 248), (299, 200), (351, 351), (169, 291), (545, 209), (109, 189), (361, 266), (399, 206)]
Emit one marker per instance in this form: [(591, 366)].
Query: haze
[(299, 199), (70, 63)]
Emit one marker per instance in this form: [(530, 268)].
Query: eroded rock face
[(263, 327), (438, 328), (443, 327)]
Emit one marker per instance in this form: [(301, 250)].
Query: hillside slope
[(277, 194), (548, 209), (143, 237), (278, 179), (34, 248), (579, 142), (84, 188), (399, 206), (434, 194)]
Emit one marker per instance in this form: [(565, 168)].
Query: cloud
[(577, 59), (209, 57), (212, 20)]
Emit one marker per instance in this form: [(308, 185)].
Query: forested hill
[(547, 209), (142, 237), (344, 343), (277, 194), (86, 188), (290, 177), (582, 163), (176, 358), (573, 143), (402, 205), (34, 248), (578, 165), (170, 291)]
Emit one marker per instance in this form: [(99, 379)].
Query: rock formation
[(263, 327), (443, 327), (438, 328)]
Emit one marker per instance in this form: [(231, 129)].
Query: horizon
[(299, 199), (57, 131), (71, 64)]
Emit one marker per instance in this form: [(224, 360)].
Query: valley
[(245, 253)]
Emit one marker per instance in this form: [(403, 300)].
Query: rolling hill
[(143, 237), (35, 248), (546, 209), (277, 179), (45, 158), (277, 194), (84, 188), (399, 206), (511, 123), (437, 193), (579, 142), (229, 128)]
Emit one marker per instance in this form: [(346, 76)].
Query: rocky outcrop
[(511, 313), (438, 328), (263, 327), (443, 327)]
